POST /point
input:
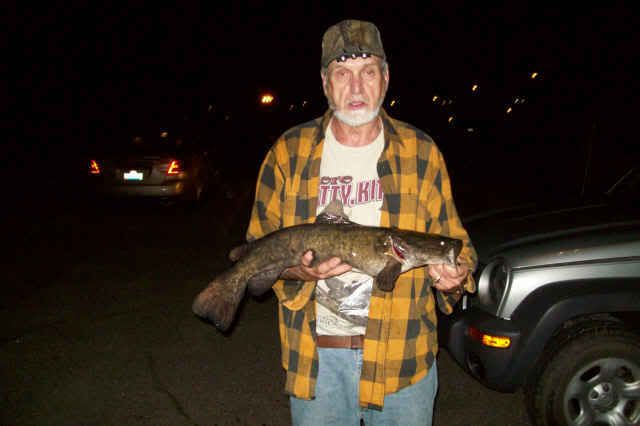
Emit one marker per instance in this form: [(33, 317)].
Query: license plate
[(133, 175)]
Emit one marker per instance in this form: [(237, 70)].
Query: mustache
[(358, 99)]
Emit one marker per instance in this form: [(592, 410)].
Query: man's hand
[(449, 279), (305, 272)]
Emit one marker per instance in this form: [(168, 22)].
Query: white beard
[(357, 118)]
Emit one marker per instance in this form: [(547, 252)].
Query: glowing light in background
[(267, 99), (94, 168), (174, 168)]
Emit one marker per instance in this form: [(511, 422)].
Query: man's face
[(355, 89)]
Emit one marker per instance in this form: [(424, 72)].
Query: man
[(351, 351)]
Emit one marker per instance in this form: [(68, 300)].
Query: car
[(158, 165), (557, 311)]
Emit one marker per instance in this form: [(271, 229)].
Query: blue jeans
[(337, 391)]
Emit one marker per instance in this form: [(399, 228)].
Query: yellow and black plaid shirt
[(400, 342)]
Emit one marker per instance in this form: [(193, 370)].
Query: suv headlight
[(493, 282)]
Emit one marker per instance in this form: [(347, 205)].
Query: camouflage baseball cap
[(351, 39)]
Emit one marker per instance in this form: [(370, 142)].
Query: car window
[(148, 144)]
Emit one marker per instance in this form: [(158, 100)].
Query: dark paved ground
[(97, 328)]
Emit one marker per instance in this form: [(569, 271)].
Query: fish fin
[(237, 252), (386, 279), (314, 258), (261, 282), (333, 213)]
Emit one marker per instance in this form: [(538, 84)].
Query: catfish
[(380, 252)]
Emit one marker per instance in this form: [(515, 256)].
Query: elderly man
[(351, 351)]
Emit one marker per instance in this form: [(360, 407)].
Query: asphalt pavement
[(97, 327)]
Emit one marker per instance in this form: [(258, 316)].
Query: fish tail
[(219, 301)]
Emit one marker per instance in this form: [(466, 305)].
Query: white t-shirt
[(349, 174)]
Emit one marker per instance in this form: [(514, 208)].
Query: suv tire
[(591, 377)]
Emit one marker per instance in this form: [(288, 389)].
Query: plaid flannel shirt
[(401, 337)]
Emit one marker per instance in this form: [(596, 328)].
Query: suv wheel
[(592, 378)]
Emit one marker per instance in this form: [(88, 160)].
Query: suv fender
[(546, 309)]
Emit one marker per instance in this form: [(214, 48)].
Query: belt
[(348, 342)]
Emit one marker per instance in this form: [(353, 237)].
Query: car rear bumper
[(168, 190), (494, 367)]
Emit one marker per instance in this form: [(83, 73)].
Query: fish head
[(415, 249)]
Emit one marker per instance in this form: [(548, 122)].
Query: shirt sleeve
[(445, 220), (266, 217), (266, 214)]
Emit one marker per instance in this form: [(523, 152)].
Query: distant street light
[(474, 88), (267, 99), (435, 99), (534, 75), (509, 110)]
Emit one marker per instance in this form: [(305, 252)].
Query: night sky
[(85, 75)]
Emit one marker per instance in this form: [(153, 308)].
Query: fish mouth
[(396, 251)]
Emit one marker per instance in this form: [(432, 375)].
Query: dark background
[(96, 308), (83, 76)]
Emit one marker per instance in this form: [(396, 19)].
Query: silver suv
[(557, 311)]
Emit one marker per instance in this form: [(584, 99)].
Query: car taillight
[(94, 168), (174, 167)]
